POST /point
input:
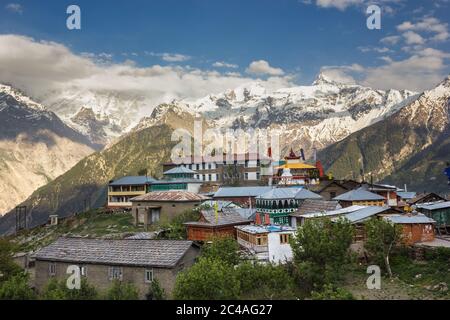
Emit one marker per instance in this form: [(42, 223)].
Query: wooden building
[(416, 227), (157, 206), (279, 203), (293, 171), (329, 189), (425, 198), (440, 212), (360, 197), (102, 261), (212, 225)]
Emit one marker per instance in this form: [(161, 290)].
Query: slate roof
[(236, 192), (132, 180), (177, 170), (365, 213), (176, 180), (170, 196), (279, 193), (152, 253), (314, 205), (229, 217), (422, 196), (259, 229), (409, 219), (358, 195)]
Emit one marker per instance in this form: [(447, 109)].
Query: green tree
[(264, 281), (155, 291), (330, 292), (58, 290), (16, 288), (382, 237), (175, 229), (122, 291), (321, 251), (225, 249), (8, 267), (208, 279)]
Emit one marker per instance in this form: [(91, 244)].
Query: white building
[(268, 243)]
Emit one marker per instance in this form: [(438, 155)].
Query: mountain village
[(261, 206)]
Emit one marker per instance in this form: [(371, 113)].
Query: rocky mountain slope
[(84, 185), (411, 146), (35, 147)]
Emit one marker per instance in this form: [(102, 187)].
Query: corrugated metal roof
[(436, 206), (180, 180), (132, 180), (279, 193), (408, 219), (231, 192), (365, 213), (406, 195), (328, 213), (358, 195), (172, 195), (178, 170), (156, 253)]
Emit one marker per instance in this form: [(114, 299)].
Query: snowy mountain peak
[(7, 90), (323, 79)]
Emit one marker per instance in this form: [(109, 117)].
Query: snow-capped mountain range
[(304, 116)]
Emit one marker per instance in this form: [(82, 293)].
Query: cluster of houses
[(262, 212)]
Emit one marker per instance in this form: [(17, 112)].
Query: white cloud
[(41, 66), (413, 38), (391, 40), (170, 57), (423, 70), (344, 4), (14, 7), (222, 64), (262, 67), (339, 4), (342, 74), (374, 49), (427, 24)]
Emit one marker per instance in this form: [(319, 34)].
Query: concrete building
[(163, 206), (120, 191), (268, 243), (243, 169), (102, 261)]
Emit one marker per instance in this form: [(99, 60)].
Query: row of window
[(114, 272), (211, 166)]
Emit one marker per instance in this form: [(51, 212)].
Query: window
[(209, 177), (284, 238), (148, 275), (209, 166), (246, 176), (52, 269), (332, 194), (258, 176), (115, 273), (246, 163)]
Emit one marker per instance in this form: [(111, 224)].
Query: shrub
[(58, 290), (122, 291), (329, 292), (16, 288), (225, 249), (155, 291)]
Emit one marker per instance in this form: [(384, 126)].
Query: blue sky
[(295, 38)]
